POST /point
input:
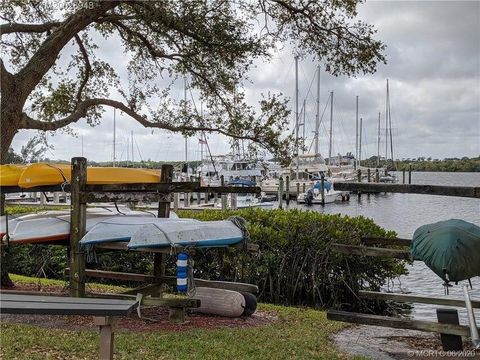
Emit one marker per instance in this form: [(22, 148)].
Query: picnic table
[(104, 311)]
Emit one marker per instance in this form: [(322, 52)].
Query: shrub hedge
[(294, 266)]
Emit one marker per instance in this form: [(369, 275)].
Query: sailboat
[(388, 178), (304, 168)]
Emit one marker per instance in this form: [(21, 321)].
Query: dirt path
[(394, 344)]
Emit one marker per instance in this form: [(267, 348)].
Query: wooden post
[(403, 176), (410, 173), (322, 184), (303, 187), (186, 200), (176, 315), (199, 197), (449, 342), (206, 197), (176, 198), (359, 179), (2, 203), (287, 189), (280, 193), (368, 175), (233, 201), (298, 189), (78, 222), (224, 196), (105, 325), (377, 176), (166, 176)]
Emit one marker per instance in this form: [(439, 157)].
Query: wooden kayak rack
[(83, 193)]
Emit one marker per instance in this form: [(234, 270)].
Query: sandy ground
[(395, 344)]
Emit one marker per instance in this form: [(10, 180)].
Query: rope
[(65, 181), (241, 223), (190, 279)]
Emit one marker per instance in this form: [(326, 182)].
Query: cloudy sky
[(433, 54)]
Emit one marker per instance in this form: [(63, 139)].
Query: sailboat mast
[(378, 142), (317, 119), (131, 133), (296, 111), (128, 152), (386, 129), (202, 135), (360, 143), (356, 134), (390, 124), (114, 136), (185, 107), (304, 117), (331, 128)]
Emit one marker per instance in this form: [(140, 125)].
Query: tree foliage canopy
[(54, 73)]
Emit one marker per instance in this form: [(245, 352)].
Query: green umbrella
[(450, 248)]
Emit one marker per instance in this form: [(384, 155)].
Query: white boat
[(388, 179), (316, 197), (231, 167), (245, 201), (163, 233), (51, 226)]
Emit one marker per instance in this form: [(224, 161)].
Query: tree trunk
[(5, 280), (7, 133)]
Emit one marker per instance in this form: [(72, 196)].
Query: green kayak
[(450, 248)]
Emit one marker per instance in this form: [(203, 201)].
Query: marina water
[(404, 213)]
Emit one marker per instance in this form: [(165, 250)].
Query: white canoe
[(164, 233), (50, 226)]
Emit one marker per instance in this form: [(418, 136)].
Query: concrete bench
[(104, 311)]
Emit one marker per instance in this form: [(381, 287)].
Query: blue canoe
[(163, 233)]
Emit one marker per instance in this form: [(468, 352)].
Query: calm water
[(406, 212)]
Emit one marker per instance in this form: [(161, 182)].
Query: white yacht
[(232, 168)]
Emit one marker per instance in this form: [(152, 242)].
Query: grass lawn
[(298, 334)]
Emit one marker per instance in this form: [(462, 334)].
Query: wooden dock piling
[(224, 196), (287, 190), (176, 198), (280, 193), (359, 179)]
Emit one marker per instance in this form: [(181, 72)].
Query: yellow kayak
[(10, 174), (43, 174)]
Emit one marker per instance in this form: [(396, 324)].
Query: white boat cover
[(55, 225), (163, 233)]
